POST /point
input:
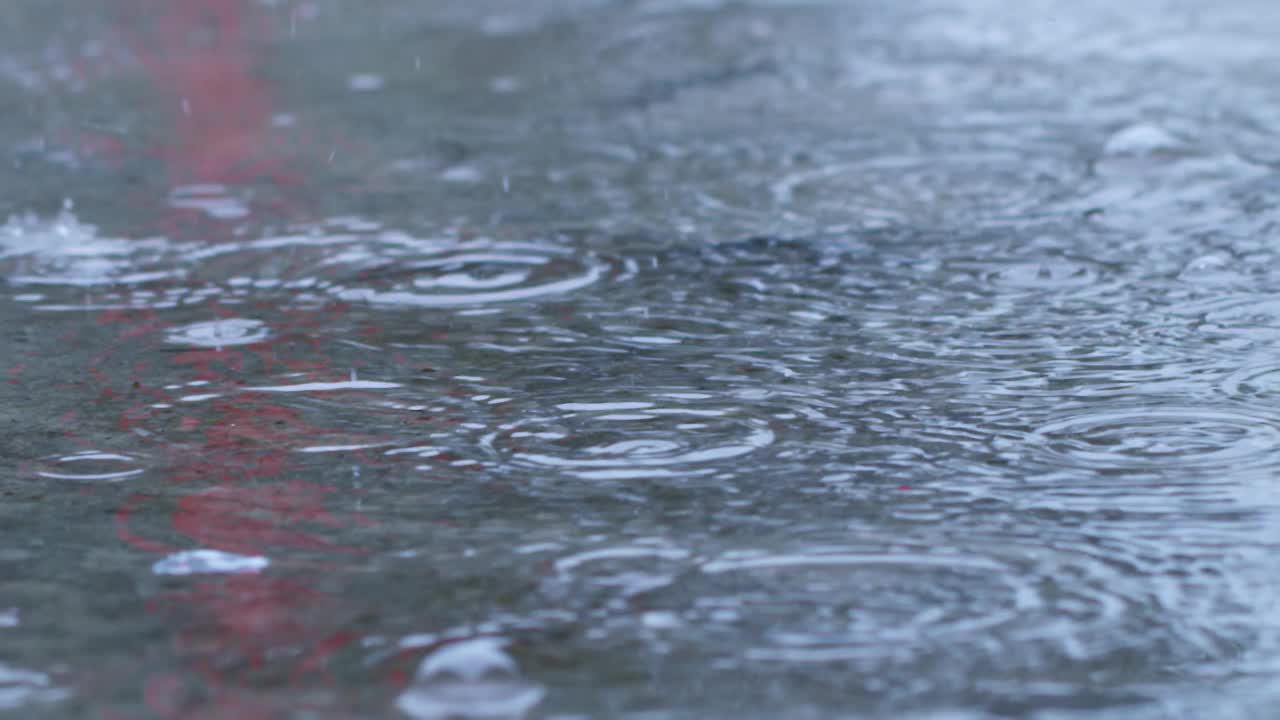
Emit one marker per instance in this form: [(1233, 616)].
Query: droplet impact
[(472, 678), (897, 190), (220, 333), (65, 252)]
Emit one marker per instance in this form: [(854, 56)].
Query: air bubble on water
[(64, 251)]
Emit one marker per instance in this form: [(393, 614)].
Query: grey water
[(639, 359)]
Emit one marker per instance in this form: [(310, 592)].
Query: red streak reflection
[(202, 58)]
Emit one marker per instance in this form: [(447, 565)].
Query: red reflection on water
[(232, 484), (255, 520), (200, 55), (215, 125)]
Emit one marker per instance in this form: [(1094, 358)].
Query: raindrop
[(1160, 439)]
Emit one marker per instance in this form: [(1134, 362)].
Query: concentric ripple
[(893, 190), (888, 605), (1160, 439), (658, 435), (901, 598), (1255, 380), (90, 466), (410, 272)]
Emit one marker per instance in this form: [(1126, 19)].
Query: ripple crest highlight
[(625, 439)]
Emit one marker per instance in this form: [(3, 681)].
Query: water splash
[(475, 273), (472, 678), (219, 333)]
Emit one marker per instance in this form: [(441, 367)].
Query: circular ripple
[(663, 435), (220, 333), (1057, 275), (905, 606), (1247, 315), (1254, 381), (900, 596), (90, 466), (1160, 439), (434, 274), (902, 190), (981, 605), (471, 678)]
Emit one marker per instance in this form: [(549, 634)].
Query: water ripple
[(903, 190), (473, 273), (982, 607), (472, 678), (90, 466), (1255, 380), (1160, 439), (665, 434)]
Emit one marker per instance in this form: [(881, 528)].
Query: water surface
[(651, 359)]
